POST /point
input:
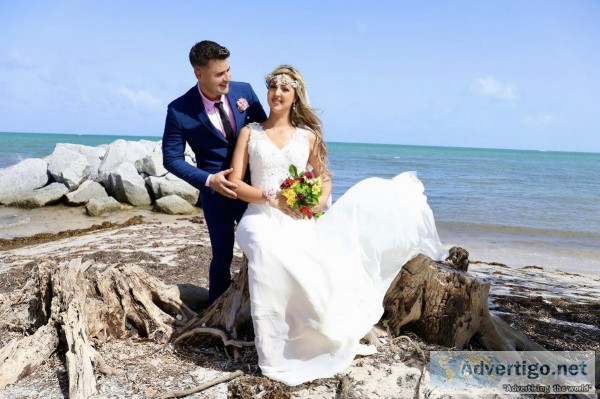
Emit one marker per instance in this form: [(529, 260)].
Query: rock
[(41, 196), (174, 205), (100, 206), (68, 167), (165, 186), (121, 151), (87, 190), (151, 165), (172, 177), (127, 186), (25, 176), (93, 155), (189, 154)]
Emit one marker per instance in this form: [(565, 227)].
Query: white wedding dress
[(317, 287)]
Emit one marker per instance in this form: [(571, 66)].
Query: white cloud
[(140, 98), (492, 87), (542, 119)]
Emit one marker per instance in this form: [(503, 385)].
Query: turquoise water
[(530, 192)]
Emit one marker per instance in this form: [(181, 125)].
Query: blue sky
[(497, 74)]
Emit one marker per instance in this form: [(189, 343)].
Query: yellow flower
[(290, 195), (316, 188)]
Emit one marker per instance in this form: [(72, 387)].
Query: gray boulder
[(190, 156), (41, 196), (174, 205), (93, 155), (151, 165), (100, 206), (87, 190), (165, 186), (121, 151), (23, 177), (127, 186), (68, 167)]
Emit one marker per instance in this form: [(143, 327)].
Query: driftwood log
[(81, 305)]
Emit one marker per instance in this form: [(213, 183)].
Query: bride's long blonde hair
[(302, 114)]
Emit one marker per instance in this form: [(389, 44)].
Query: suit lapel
[(203, 116)]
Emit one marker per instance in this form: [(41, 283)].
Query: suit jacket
[(187, 121)]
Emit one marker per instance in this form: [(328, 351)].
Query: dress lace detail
[(269, 164)]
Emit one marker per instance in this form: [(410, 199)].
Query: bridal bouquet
[(302, 191)]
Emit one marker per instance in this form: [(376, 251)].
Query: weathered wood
[(200, 388), (68, 313), (440, 304), (447, 306), (229, 313), (20, 357), (127, 300), (74, 303)]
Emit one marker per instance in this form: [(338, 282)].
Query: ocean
[(528, 193)]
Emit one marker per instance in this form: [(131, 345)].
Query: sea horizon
[(159, 137)]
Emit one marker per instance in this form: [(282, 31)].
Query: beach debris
[(200, 388), (258, 387), (174, 205), (19, 242), (458, 258), (23, 177)]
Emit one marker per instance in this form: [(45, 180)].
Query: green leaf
[(293, 171)]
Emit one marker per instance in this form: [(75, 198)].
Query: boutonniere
[(242, 104)]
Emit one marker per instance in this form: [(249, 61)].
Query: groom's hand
[(220, 184)]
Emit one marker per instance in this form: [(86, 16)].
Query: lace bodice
[(269, 165)]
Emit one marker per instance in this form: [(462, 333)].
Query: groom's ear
[(198, 73)]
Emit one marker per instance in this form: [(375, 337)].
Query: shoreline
[(515, 247)]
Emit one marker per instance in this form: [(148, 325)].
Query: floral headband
[(281, 79)]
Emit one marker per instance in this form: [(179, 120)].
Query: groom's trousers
[(221, 215)]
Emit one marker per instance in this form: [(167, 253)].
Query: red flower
[(309, 175), (305, 210), (287, 183)]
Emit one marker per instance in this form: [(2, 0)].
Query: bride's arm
[(239, 163), (246, 192), (318, 170)]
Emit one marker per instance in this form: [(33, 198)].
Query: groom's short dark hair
[(204, 51)]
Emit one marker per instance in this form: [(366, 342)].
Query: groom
[(208, 118)]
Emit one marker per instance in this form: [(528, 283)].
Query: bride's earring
[(294, 106)]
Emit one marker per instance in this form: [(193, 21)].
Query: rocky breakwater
[(103, 179)]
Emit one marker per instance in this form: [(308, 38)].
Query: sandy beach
[(555, 305)]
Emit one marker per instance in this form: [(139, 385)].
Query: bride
[(317, 287)]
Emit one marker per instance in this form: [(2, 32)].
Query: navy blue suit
[(187, 122)]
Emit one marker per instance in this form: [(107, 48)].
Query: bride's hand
[(279, 203)]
